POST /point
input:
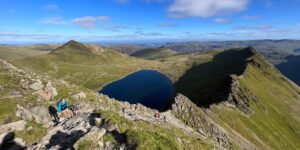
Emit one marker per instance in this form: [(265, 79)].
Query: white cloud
[(51, 7), (53, 21), (206, 8), (223, 20), (88, 22)]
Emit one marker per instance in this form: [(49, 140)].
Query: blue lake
[(148, 87)]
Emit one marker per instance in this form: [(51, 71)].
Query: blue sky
[(147, 20)]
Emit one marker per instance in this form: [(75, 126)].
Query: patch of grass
[(86, 145), (147, 140), (108, 137), (34, 135), (7, 111), (154, 53)]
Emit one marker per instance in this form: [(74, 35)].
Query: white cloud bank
[(88, 22), (206, 8)]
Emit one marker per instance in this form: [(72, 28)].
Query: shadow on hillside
[(210, 82), (9, 143), (67, 140), (291, 68)]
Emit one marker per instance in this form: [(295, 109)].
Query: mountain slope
[(154, 53), (85, 65), (252, 100), (236, 100)]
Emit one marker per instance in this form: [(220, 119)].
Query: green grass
[(274, 123), (154, 53), (86, 145), (7, 111), (34, 135), (11, 53), (144, 135)]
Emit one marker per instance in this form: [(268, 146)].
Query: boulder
[(38, 85), (47, 92), (20, 141), (14, 126), (94, 135), (78, 96), (23, 113), (51, 89), (41, 114)]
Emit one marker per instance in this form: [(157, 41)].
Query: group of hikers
[(63, 110)]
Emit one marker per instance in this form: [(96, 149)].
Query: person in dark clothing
[(53, 113)]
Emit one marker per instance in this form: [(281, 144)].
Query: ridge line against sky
[(144, 20)]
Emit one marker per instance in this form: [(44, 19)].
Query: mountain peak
[(251, 50), (71, 47)]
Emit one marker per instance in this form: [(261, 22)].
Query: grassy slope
[(143, 135), (275, 123), (10, 53), (87, 66), (153, 53), (93, 67)]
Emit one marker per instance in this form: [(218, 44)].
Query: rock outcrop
[(196, 118), (39, 114), (14, 126), (78, 96)]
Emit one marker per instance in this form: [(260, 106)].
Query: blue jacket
[(61, 106)]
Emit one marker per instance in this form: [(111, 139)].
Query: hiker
[(73, 108), (157, 114), (63, 108), (53, 113)]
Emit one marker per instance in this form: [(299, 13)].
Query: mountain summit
[(72, 47)]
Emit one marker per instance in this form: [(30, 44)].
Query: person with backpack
[(63, 109)]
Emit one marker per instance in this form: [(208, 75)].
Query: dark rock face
[(196, 118), (240, 96)]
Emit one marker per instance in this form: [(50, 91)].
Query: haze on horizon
[(144, 20)]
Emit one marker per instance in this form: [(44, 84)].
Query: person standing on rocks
[(63, 109), (53, 113)]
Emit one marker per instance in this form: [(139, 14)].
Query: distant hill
[(128, 48), (87, 65), (274, 50), (154, 53), (9, 52)]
